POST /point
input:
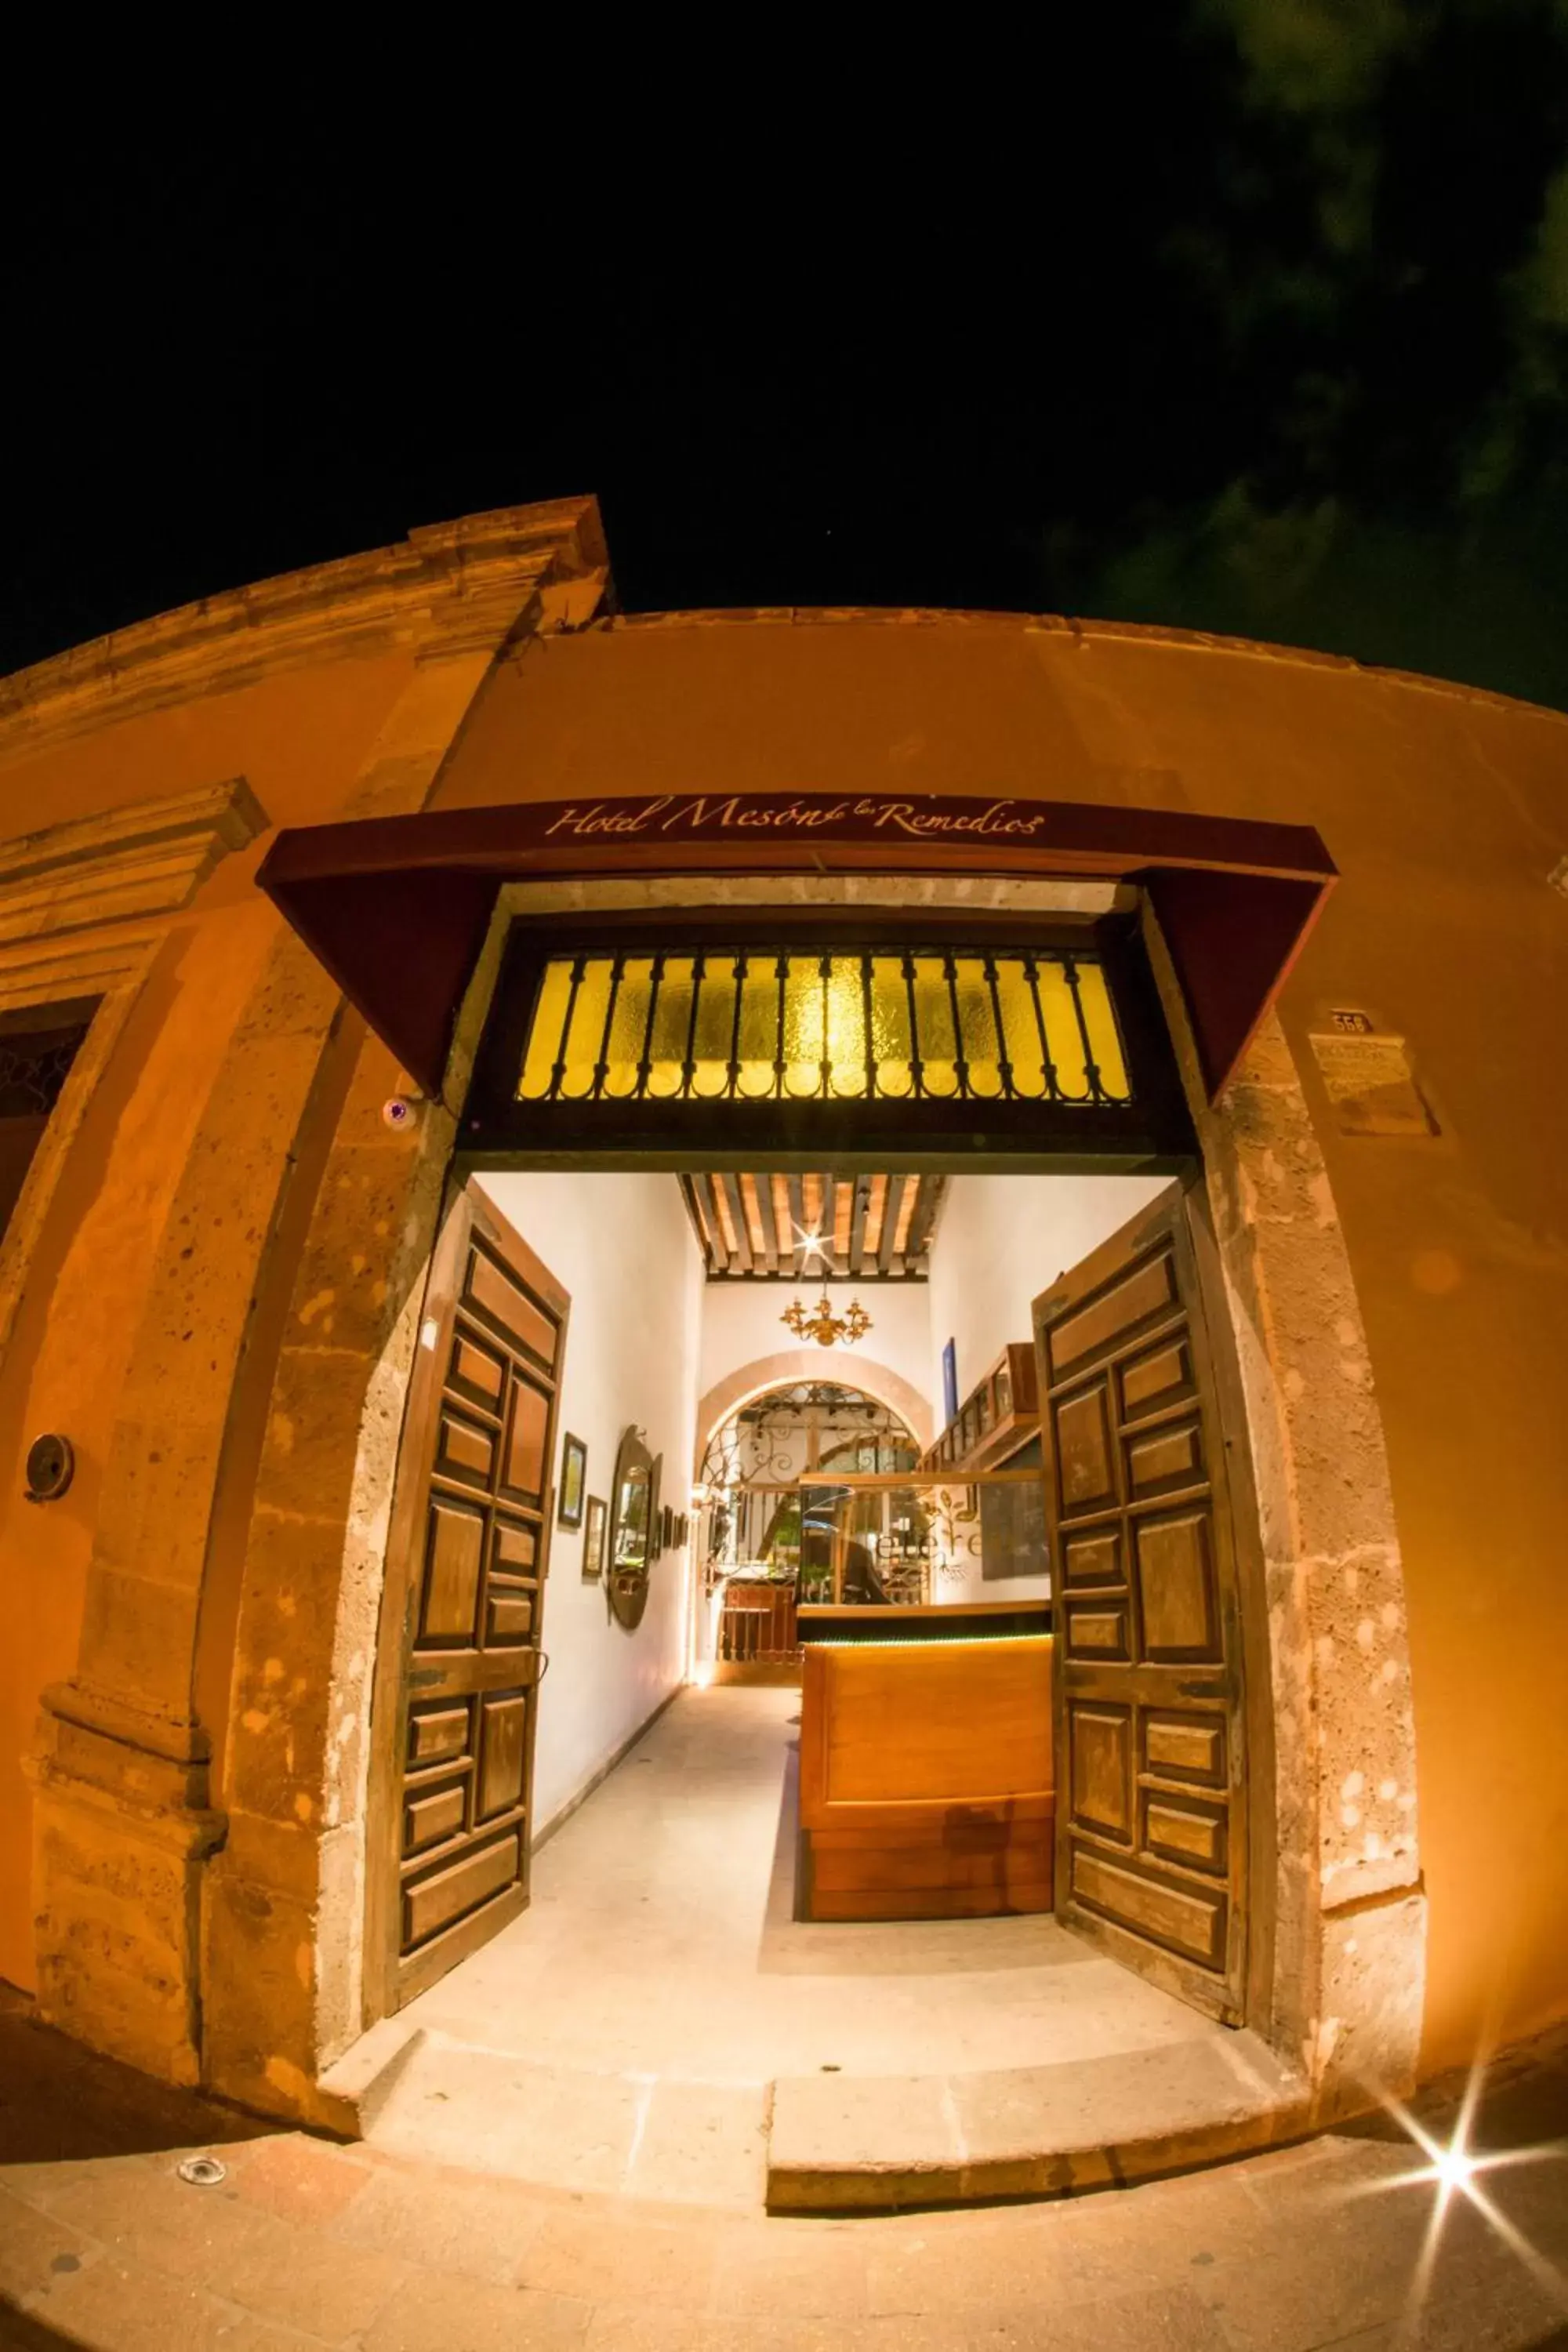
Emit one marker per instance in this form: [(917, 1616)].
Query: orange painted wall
[(1445, 812), (300, 739)]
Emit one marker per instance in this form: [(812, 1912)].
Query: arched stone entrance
[(270, 1857), (1340, 1992), (789, 1365)]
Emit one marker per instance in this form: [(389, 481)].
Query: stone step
[(820, 2143), (841, 2143), (496, 2111)]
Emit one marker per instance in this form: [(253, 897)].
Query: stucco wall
[(1446, 812), (301, 739), (623, 1248), (741, 1327), (1000, 1241), (146, 1294)]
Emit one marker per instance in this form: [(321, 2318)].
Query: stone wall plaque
[(1371, 1086)]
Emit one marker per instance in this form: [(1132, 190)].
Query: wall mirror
[(632, 1506)]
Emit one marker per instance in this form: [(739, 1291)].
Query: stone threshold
[(844, 2144), (826, 2143)]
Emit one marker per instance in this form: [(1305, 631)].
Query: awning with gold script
[(396, 909)]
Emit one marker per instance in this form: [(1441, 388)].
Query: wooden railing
[(757, 1625)]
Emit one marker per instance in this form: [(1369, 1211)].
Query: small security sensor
[(51, 1464), (398, 1110)]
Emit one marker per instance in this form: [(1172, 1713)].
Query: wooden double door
[(1150, 1723), (460, 1655), (1142, 1442)]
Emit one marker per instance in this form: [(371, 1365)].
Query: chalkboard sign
[(1013, 1531)]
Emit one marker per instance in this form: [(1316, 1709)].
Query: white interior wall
[(649, 1338), (1000, 1241), (741, 1326), (623, 1247)]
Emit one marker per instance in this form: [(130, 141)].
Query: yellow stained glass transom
[(964, 1025)]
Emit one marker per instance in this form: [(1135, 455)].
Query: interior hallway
[(659, 1995), (660, 1939)]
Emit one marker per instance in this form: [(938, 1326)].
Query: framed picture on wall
[(574, 1478), (593, 1540)]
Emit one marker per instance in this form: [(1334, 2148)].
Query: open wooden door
[(1151, 1833), (461, 1662)]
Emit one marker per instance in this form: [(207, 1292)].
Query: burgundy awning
[(397, 908)]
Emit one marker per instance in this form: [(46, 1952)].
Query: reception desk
[(926, 1782)]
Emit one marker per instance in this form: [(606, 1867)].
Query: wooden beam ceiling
[(873, 1227)]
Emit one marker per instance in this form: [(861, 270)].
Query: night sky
[(1258, 325)]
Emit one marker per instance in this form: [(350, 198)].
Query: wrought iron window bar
[(939, 1026)]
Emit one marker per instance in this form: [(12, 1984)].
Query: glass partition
[(926, 1542), (866, 1542)]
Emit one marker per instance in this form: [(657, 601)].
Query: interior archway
[(790, 1366)]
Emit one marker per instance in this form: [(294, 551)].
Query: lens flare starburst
[(1455, 2170)]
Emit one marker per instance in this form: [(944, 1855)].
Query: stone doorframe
[(1339, 1940), (282, 1901)]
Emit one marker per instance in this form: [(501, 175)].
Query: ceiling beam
[(860, 1191), (700, 1210), (707, 1193), (875, 1218), (778, 1193), (763, 1192), (738, 1221), (892, 1201), (927, 1202)]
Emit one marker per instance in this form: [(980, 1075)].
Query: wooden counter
[(926, 1780)]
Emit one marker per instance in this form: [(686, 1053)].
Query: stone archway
[(791, 1365), (1343, 1994), (1327, 1637)]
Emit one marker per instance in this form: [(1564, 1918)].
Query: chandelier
[(820, 1323)]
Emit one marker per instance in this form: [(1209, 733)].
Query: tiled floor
[(660, 1939), (625, 2032)]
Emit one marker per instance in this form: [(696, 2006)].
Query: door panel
[(458, 1678), (1151, 1831)]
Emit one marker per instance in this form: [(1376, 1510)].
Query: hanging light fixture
[(821, 1324)]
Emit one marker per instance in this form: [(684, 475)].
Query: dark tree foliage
[(1260, 325)]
